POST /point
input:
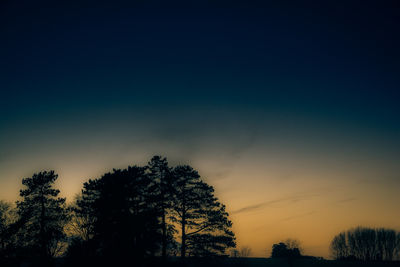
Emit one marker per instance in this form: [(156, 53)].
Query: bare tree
[(339, 248), (293, 244), (386, 243), (366, 244), (397, 250), (235, 253), (81, 223), (245, 252)]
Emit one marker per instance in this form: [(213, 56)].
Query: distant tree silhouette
[(339, 247), (245, 251), (42, 215), (281, 250), (161, 183), (365, 244), (203, 221), (293, 244), (386, 243), (235, 253)]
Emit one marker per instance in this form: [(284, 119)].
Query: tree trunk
[(42, 234), (164, 236), (183, 245)]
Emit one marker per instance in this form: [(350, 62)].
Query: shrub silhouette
[(281, 250)]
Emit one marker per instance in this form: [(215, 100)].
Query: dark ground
[(227, 262), (258, 262)]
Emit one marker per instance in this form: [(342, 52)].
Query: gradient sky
[(291, 111)]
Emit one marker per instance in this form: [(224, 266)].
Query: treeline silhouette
[(137, 213), (367, 244), (144, 215)]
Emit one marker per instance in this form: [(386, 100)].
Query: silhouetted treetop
[(282, 250), (204, 225), (123, 215), (7, 220), (130, 213), (162, 191), (366, 244), (42, 215)]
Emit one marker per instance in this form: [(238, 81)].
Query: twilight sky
[(291, 111)]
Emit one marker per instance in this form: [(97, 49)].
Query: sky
[(290, 110)]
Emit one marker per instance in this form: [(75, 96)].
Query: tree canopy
[(204, 225), (123, 218), (42, 215), (285, 250), (134, 211)]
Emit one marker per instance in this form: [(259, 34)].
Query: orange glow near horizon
[(268, 202)]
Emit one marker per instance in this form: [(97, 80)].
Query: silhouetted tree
[(122, 214), (204, 224), (4, 209), (397, 250), (82, 219), (281, 250), (42, 215), (293, 244), (386, 243), (235, 253), (7, 218), (84, 212), (162, 189), (339, 247), (245, 252), (80, 229), (365, 244)]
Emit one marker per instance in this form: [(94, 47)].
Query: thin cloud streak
[(350, 199), (298, 216), (271, 202)]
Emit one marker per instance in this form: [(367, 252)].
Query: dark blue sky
[(334, 64), (330, 65), (206, 54)]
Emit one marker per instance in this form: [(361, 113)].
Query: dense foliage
[(135, 213), (284, 250)]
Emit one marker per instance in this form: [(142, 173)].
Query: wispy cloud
[(298, 216), (257, 206), (346, 200)]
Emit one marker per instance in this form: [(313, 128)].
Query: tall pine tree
[(162, 190), (42, 214), (204, 225)]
